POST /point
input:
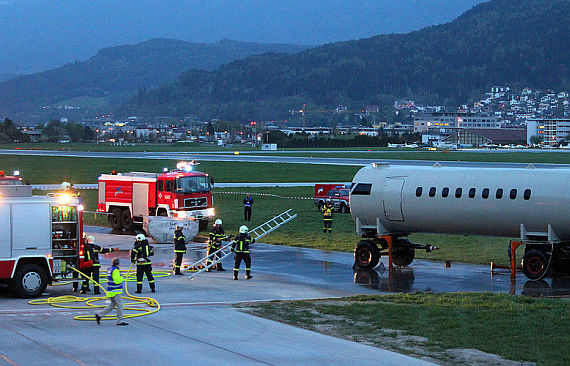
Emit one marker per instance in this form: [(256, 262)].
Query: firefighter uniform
[(247, 205), (97, 265), (87, 271), (217, 234), (327, 218), (141, 253), (179, 249), (241, 248)]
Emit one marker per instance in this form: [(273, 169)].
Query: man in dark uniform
[(327, 217), (86, 268), (217, 234), (96, 249), (141, 253), (247, 205), (241, 247), (179, 249)]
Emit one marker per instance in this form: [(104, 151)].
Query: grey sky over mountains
[(41, 34)]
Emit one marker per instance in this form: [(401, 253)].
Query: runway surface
[(260, 158)]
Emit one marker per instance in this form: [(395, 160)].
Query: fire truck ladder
[(256, 233)]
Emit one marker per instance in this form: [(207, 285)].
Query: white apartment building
[(553, 130), (444, 120)]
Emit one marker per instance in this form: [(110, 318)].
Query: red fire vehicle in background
[(181, 193), (337, 194), (9, 180)]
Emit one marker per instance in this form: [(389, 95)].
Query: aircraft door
[(392, 199)]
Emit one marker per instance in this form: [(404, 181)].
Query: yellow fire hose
[(90, 301)]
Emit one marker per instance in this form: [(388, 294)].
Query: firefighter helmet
[(91, 239), (140, 237), (243, 229), (65, 186), (218, 222), (179, 226)]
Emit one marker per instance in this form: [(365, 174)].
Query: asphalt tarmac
[(197, 322)]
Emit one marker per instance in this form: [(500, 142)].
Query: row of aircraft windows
[(472, 192)]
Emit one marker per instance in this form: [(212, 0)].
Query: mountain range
[(109, 78), (38, 35), (500, 42)]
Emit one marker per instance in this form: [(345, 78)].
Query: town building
[(425, 122), (552, 130)]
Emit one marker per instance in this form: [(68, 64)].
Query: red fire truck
[(181, 193), (337, 194), (41, 239), (10, 180)]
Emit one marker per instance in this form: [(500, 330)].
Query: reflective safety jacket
[(114, 281), (98, 250), (327, 213), (179, 242), (216, 236), (241, 244), (248, 201), (141, 252)]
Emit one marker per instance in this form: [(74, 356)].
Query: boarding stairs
[(256, 233)]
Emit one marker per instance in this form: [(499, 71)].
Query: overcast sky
[(40, 34)]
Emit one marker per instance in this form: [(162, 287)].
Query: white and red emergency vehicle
[(41, 239), (181, 193), (10, 180), (337, 194)]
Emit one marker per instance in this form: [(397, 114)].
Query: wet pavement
[(333, 271)]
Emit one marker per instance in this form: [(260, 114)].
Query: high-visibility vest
[(114, 288)]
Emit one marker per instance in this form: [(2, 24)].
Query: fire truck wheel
[(127, 220), (115, 219), (343, 208), (30, 281)]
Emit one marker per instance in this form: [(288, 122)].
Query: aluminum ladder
[(256, 233)]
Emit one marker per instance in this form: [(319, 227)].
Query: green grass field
[(514, 327)]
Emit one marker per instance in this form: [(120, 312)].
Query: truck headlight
[(210, 212), (182, 214)]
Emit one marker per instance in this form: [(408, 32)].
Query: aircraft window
[(513, 194), (419, 191), (472, 193), (458, 192), (432, 191), (362, 189), (526, 194), (499, 194), (445, 192), (485, 193)]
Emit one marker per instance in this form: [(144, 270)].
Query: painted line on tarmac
[(5, 358)]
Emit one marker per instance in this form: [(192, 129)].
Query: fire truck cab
[(41, 239), (181, 193)]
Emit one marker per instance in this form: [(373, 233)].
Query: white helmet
[(179, 226), (91, 239), (218, 222), (243, 229), (140, 237), (65, 185)]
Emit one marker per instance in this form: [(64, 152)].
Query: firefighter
[(141, 254), (217, 234), (75, 274), (247, 205), (86, 268), (179, 249), (241, 247), (115, 284), (96, 250), (327, 217), (66, 187)]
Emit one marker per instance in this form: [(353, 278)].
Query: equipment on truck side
[(337, 194), (41, 239), (182, 193)]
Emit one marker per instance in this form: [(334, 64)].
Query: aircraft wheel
[(366, 254), (403, 254), (534, 264)]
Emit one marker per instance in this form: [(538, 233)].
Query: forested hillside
[(114, 74), (516, 43)]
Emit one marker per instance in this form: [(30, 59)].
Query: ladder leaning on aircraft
[(256, 233)]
